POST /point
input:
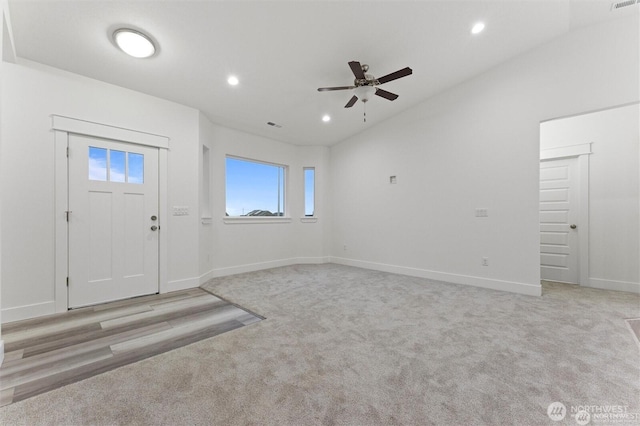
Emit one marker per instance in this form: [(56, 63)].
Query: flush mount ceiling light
[(134, 43), (233, 80), (477, 28), (326, 118)]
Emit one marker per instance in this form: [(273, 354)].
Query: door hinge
[(67, 281), (67, 152), (67, 213)]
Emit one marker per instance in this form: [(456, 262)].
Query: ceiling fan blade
[(395, 75), (357, 70), (351, 102), (386, 95), (328, 89)]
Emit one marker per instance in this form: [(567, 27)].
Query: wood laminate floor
[(45, 353)]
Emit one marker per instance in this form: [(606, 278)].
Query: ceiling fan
[(365, 84)]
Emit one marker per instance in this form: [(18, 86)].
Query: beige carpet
[(347, 346), (634, 326)]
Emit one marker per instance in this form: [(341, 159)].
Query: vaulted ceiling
[(282, 51)]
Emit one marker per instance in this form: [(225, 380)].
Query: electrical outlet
[(344, 247), (485, 261), (482, 212)]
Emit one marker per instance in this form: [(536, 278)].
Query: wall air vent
[(625, 3)]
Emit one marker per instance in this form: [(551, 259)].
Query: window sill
[(309, 219), (255, 219)]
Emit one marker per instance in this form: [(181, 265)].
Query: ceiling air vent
[(272, 124), (625, 3)]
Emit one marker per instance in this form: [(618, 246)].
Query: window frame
[(285, 218), (109, 169), (304, 192)]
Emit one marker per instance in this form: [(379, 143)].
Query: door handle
[(154, 228), (572, 226)]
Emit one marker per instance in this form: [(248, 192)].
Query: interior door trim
[(581, 152), (61, 194), (105, 131), (565, 151)]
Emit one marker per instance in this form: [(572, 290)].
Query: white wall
[(474, 146), (228, 248), (614, 190), (31, 94), (2, 31), (7, 54), (5, 47)]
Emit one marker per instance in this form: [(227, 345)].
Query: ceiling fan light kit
[(364, 93), (365, 85)]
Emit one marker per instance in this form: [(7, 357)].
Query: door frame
[(582, 153), (63, 126)]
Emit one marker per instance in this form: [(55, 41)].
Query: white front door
[(113, 220), (558, 220)]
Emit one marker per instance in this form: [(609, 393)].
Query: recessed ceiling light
[(134, 43), (233, 80), (326, 118), (477, 28)]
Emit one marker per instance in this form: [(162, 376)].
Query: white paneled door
[(113, 220), (559, 191)]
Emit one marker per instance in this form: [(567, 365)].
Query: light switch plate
[(180, 210), (482, 212)]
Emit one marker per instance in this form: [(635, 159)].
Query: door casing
[(62, 127)]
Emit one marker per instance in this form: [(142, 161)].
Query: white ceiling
[(282, 51)]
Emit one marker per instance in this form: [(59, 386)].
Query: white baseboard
[(252, 267), (312, 260), (1, 351), (613, 285), (510, 286), (28, 311)]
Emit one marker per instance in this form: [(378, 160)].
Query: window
[(97, 163), (309, 191), (136, 168), (115, 166), (254, 188)]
